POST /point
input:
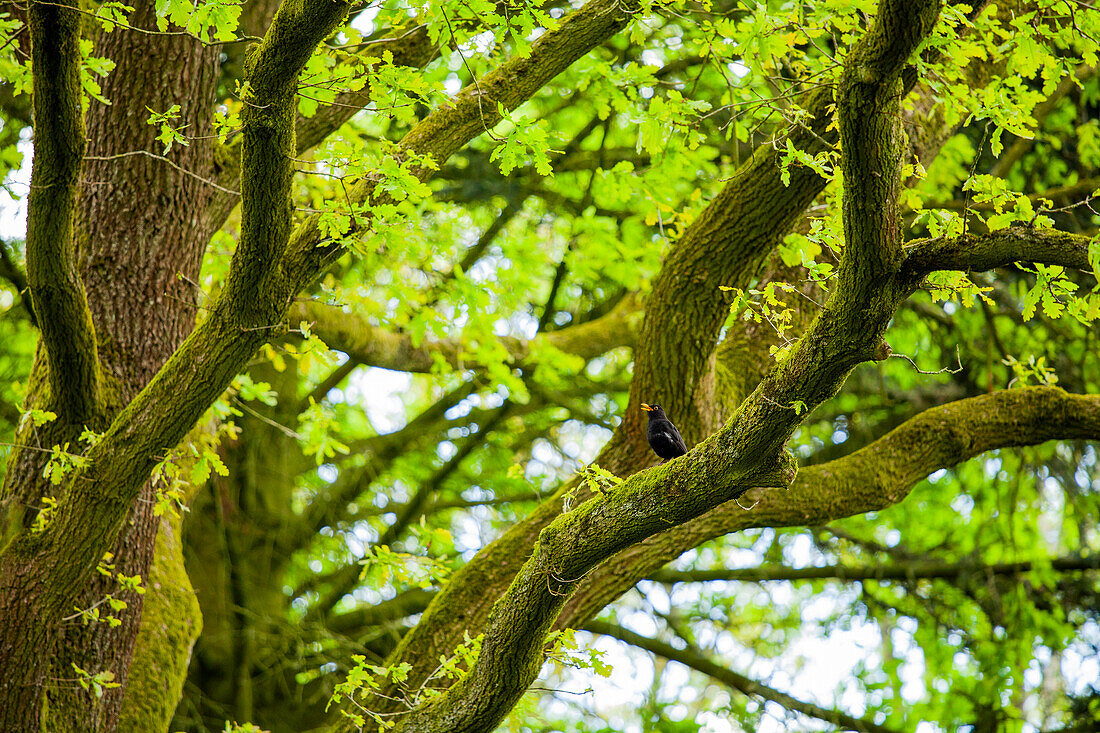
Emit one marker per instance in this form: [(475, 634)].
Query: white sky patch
[(364, 22), (380, 392), (13, 211), (738, 69)]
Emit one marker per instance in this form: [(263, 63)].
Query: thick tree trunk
[(139, 247), (140, 252)]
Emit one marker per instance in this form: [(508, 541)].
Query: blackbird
[(663, 436)]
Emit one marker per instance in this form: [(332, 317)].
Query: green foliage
[(62, 463), (598, 479), (191, 463), (213, 20), (235, 727), (383, 566), (37, 417), (105, 610), (113, 14), (92, 67), (96, 683), (312, 507), (169, 135), (366, 678), (317, 431), (14, 71), (566, 651)]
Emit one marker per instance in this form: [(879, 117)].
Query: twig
[(948, 370), (161, 158)]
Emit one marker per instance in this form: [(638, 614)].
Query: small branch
[(945, 370), (904, 572), (1082, 190), (411, 511), (171, 164), (478, 249), (412, 48), (404, 604), (691, 658), (559, 277), (375, 346)]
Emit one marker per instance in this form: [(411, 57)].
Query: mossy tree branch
[(694, 659), (57, 294), (868, 103), (871, 479), (568, 548), (267, 150), (972, 253), (744, 452), (373, 345), (678, 328)]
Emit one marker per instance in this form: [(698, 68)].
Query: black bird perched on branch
[(663, 436)]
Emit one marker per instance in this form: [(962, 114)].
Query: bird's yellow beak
[(646, 407)]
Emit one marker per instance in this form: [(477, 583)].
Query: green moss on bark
[(170, 623)]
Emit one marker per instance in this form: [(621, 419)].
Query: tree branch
[(334, 379), (871, 479), (412, 510), (404, 604), (905, 572), (59, 144), (375, 346), (475, 109), (568, 549), (382, 450), (267, 152), (748, 686), (868, 103), (973, 253)]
